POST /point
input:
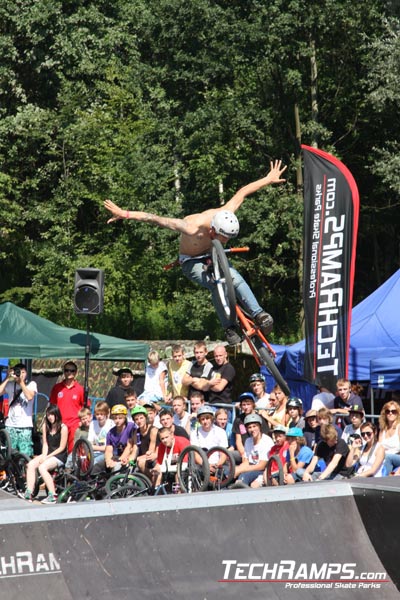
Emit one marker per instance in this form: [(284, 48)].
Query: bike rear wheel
[(128, 490), (224, 474), (82, 458), (268, 362), (5, 448), (279, 476), (193, 470), (223, 280), (122, 479)]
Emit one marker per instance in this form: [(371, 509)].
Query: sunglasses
[(69, 370), (390, 411), (367, 434)]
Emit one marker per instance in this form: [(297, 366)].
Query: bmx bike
[(256, 340)]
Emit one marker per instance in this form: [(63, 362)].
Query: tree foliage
[(125, 99)]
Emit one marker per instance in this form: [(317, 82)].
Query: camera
[(17, 372)]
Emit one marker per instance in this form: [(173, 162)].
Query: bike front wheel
[(221, 476), (223, 280), (193, 470), (267, 360), (5, 448), (82, 458)]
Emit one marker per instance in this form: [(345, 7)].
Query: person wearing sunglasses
[(389, 436), (69, 396), (366, 454)]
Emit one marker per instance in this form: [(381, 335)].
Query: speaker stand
[(87, 360)]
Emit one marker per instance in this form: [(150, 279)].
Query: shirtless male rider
[(196, 234)]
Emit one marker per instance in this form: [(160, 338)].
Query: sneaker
[(50, 499), (27, 495), (232, 336), (265, 322)]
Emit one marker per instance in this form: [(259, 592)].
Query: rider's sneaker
[(265, 322), (50, 499), (232, 336)]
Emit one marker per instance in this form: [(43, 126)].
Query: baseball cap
[(294, 432)]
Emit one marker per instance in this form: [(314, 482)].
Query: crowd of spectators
[(186, 402)]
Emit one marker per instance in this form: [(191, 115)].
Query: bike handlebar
[(242, 249)]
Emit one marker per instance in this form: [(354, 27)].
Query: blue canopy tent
[(385, 373), (375, 335)]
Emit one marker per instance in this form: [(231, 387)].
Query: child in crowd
[(280, 448), (181, 415), (221, 418), (54, 454), (117, 438), (97, 434), (155, 381), (131, 400), (85, 418), (298, 455)]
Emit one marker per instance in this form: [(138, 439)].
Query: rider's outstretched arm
[(274, 176), (180, 225)]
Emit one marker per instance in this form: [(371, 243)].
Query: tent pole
[(87, 359)]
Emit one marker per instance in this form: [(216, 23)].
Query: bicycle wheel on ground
[(223, 475), (129, 490), (193, 470), (121, 479), (5, 448), (268, 361), (82, 458), (274, 471), (223, 280), (78, 491)]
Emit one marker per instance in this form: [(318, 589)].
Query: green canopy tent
[(25, 335)]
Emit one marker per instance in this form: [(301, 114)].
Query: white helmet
[(225, 223)]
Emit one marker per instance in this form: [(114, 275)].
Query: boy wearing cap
[(116, 394), (298, 456), (256, 449), (280, 448), (247, 404), (118, 438), (357, 418), (208, 434), (257, 387)]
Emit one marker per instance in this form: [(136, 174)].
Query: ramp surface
[(303, 541)]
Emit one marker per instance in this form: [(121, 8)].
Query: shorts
[(21, 439)]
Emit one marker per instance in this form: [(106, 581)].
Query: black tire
[(223, 281), (5, 448), (78, 491), (193, 475), (267, 360), (19, 462), (120, 479), (82, 458), (224, 475), (129, 490), (268, 471)]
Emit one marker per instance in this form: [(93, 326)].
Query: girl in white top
[(372, 454), (389, 437)]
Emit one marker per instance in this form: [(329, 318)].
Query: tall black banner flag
[(331, 207)]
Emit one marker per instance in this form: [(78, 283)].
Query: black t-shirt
[(225, 396), (205, 371), (353, 400), (115, 396), (327, 453)]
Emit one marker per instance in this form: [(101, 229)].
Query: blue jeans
[(392, 461), (195, 271), (249, 477)]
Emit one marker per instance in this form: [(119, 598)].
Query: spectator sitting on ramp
[(279, 448), (118, 438), (333, 451), (357, 417), (256, 448), (168, 452), (294, 409), (247, 403), (298, 456), (257, 388), (209, 435)]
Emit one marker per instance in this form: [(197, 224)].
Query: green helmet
[(139, 410)]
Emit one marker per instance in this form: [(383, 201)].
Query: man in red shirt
[(69, 396)]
